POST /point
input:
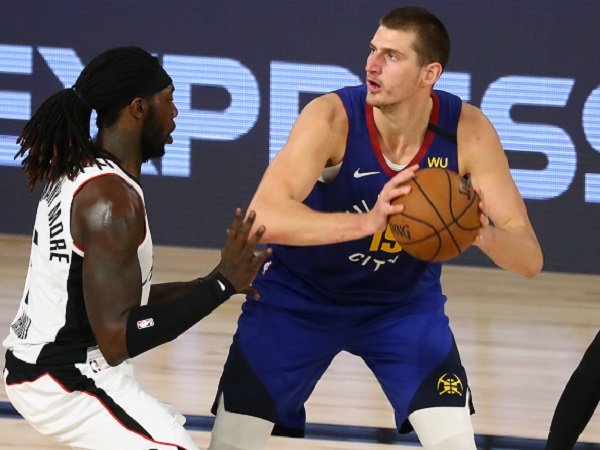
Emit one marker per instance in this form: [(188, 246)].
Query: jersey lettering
[(437, 161), (56, 227), (385, 242)]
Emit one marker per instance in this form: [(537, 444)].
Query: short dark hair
[(57, 138), (432, 43)]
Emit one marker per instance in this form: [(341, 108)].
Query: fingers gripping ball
[(440, 217)]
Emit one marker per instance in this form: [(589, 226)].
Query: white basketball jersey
[(51, 325)]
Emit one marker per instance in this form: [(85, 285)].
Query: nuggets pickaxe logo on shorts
[(450, 384)]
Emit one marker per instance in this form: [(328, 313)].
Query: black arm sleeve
[(577, 402), (149, 326)]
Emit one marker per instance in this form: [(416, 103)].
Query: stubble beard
[(152, 146)]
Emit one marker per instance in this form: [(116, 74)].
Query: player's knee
[(215, 444), (233, 431), (460, 441), (444, 428)]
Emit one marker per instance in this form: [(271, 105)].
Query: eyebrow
[(386, 49), (389, 50)]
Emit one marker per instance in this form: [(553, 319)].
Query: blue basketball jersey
[(372, 270)]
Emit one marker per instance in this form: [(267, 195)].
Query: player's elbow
[(267, 215), (114, 361), (112, 349), (113, 355), (534, 266)]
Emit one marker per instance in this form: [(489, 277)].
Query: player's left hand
[(240, 259)]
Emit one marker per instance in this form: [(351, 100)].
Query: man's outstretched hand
[(239, 261)]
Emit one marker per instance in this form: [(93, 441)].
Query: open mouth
[(373, 86)]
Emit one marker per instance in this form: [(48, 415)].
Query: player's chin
[(154, 153), (374, 100)]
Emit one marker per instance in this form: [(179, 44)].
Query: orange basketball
[(440, 217)]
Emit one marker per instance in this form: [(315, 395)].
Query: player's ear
[(138, 107), (433, 71)]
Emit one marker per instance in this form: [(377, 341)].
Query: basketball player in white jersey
[(88, 303)]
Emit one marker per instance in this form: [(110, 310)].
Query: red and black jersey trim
[(72, 380), (433, 129)]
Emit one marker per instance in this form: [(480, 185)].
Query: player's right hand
[(394, 188), (239, 260)]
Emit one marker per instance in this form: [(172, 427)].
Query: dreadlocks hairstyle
[(432, 43), (56, 141)]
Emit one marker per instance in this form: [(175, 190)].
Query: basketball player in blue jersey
[(337, 281), (88, 303)]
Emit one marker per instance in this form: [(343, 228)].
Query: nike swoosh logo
[(221, 285), (148, 277), (359, 174)]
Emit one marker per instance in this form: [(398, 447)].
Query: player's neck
[(125, 146), (401, 128)]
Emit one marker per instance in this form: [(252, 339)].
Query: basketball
[(440, 217)]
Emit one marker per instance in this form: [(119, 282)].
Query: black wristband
[(149, 326), (220, 286)]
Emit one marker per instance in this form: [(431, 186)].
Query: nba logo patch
[(146, 323), (266, 266), (95, 366)]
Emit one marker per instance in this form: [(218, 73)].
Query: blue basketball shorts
[(278, 355)]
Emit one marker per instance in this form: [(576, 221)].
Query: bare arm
[(511, 241), (317, 140), (108, 221)]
